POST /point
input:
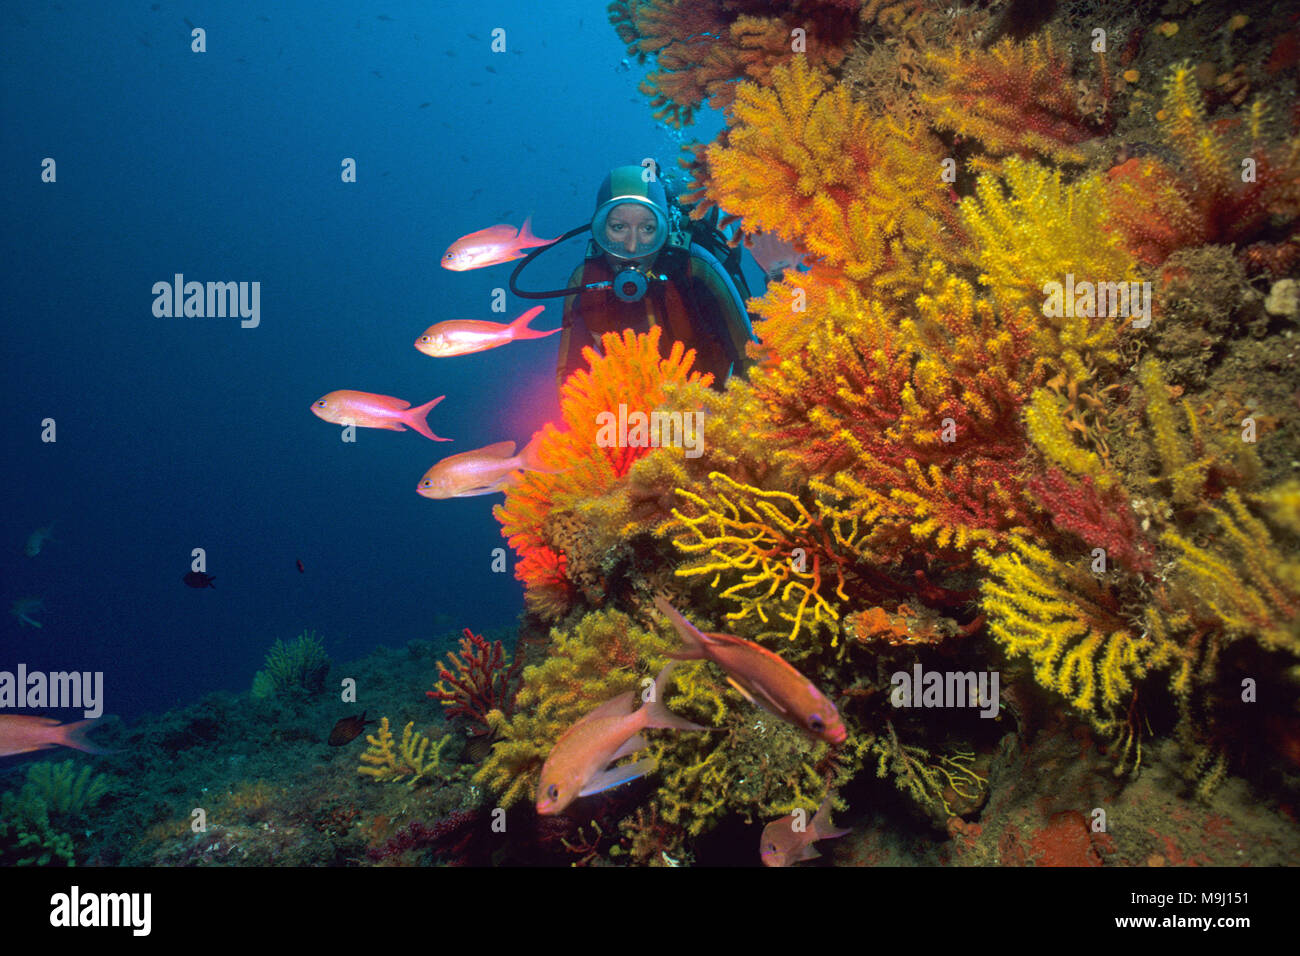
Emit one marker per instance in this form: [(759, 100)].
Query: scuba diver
[(648, 264)]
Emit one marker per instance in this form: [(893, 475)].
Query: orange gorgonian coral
[(804, 161), (702, 47), (1016, 99), (631, 375), (909, 425)]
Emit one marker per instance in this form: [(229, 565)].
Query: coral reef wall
[(1030, 408)]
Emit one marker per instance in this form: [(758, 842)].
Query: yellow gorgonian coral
[(1071, 626), (767, 548), (802, 160), (415, 757), (1040, 230)]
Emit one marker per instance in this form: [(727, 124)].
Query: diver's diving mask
[(630, 231)]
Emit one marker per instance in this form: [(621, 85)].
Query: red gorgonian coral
[(476, 681)]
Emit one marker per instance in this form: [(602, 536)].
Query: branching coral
[(770, 542), (1016, 99), (477, 681), (416, 757), (1042, 230), (1241, 583), (603, 656), (1227, 185), (631, 374), (806, 163), (916, 419), (702, 47), (935, 782), (1072, 626), (1100, 517)]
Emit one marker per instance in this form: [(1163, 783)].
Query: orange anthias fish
[(482, 471), (765, 679), (20, 734), (466, 336), (491, 246), (577, 762), (790, 840), (346, 407)]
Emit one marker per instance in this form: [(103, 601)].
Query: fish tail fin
[(415, 418), (657, 713), (519, 327), (74, 735), (694, 649), (526, 237), (529, 458), (822, 827)]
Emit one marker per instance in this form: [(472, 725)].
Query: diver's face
[(631, 229)]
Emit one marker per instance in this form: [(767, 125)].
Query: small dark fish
[(189, 23), (475, 83), (347, 730), (377, 73), (197, 579), (384, 16), (479, 746), (449, 52), (490, 69), (473, 36), (301, 570), (423, 105)]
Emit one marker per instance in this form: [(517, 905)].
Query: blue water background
[(177, 433)]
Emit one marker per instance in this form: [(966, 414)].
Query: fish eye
[(771, 848), (321, 403), (552, 792), (816, 723)]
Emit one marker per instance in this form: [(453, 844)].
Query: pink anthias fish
[(20, 734), (490, 247), (790, 840), (346, 407), (576, 766), (763, 678), (773, 255), (482, 471), (466, 336)]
